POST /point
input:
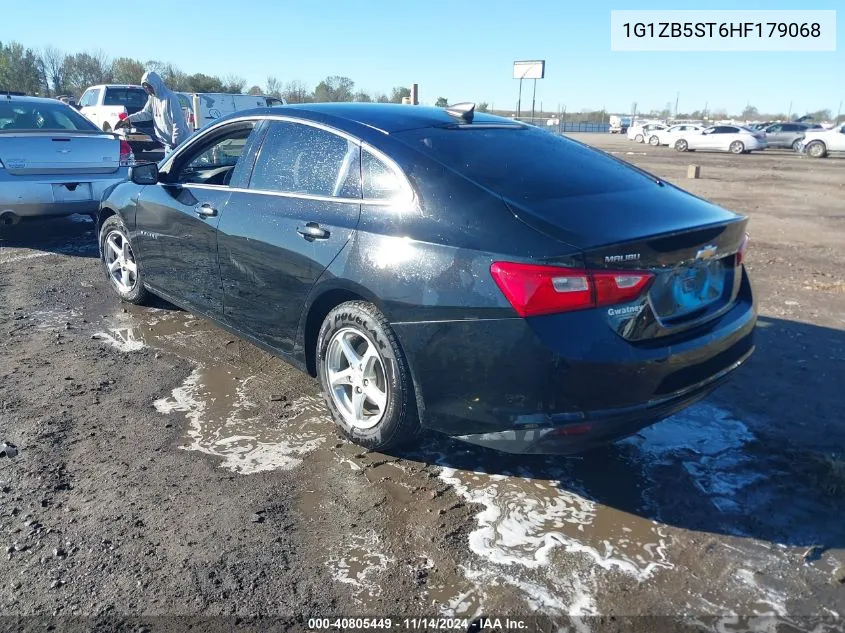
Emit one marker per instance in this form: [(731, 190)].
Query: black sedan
[(443, 269)]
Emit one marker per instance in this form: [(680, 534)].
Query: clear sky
[(457, 49)]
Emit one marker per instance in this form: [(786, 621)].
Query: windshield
[(31, 116), (526, 163)]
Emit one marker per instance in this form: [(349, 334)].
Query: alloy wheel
[(356, 378), (737, 147), (120, 262), (816, 150)]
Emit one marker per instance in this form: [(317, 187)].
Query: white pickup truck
[(105, 105), (108, 104)]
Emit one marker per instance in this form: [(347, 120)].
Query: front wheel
[(365, 377), (681, 145), (654, 141), (796, 145), (816, 149), (737, 147), (119, 262)]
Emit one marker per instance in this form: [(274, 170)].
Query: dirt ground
[(167, 469)]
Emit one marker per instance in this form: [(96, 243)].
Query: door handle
[(206, 211), (312, 231)]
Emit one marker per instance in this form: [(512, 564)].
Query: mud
[(179, 470)]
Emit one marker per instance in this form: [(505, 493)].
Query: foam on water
[(224, 422)]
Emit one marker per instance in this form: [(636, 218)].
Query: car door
[(776, 135), (176, 220), (88, 105), (705, 140), (277, 237), (836, 140), (722, 137)]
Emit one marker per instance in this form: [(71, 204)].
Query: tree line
[(51, 72)]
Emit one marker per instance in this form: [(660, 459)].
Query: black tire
[(737, 147), (138, 294), (400, 422), (681, 145), (639, 138), (816, 149), (653, 140), (796, 145)]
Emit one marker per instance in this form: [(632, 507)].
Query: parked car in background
[(105, 105), (53, 160), (459, 299), (640, 132), (785, 135), (213, 105), (821, 143), (670, 134), (722, 138)]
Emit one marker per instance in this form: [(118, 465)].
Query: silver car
[(786, 135), (54, 161)]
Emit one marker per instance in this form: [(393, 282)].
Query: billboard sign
[(532, 69)]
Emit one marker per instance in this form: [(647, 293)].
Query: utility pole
[(677, 96), (839, 112), (789, 114), (704, 114)]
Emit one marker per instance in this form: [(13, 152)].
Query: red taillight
[(533, 290), (740, 254), (122, 116), (126, 155)]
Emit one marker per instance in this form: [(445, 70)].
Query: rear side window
[(524, 163), (128, 97), (299, 158), (380, 181)]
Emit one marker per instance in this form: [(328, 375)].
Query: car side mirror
[(144, 174)]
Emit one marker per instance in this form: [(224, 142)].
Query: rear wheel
[(638, 138), (119, 262), (796, 145), (817, 149), (653, 140), (737, 147), (365, 377), (681, 145)]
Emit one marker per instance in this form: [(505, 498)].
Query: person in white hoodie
[(164, 110)]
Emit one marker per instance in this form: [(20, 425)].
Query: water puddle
[(361, 565), (223, 400), (226, 423), (594, 516)]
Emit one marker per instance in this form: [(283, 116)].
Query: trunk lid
[(689, 245), (59, 153)]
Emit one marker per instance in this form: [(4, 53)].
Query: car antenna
[(463, 111)]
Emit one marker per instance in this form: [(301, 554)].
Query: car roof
[(387, 118), (116, 86), (27, 99)]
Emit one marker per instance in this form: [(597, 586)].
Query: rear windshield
[(526, 163), (18, 116), (129, 97)]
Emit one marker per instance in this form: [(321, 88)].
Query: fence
[(557, 126)]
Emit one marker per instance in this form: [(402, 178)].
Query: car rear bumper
[(563, 383), (55, 194)]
